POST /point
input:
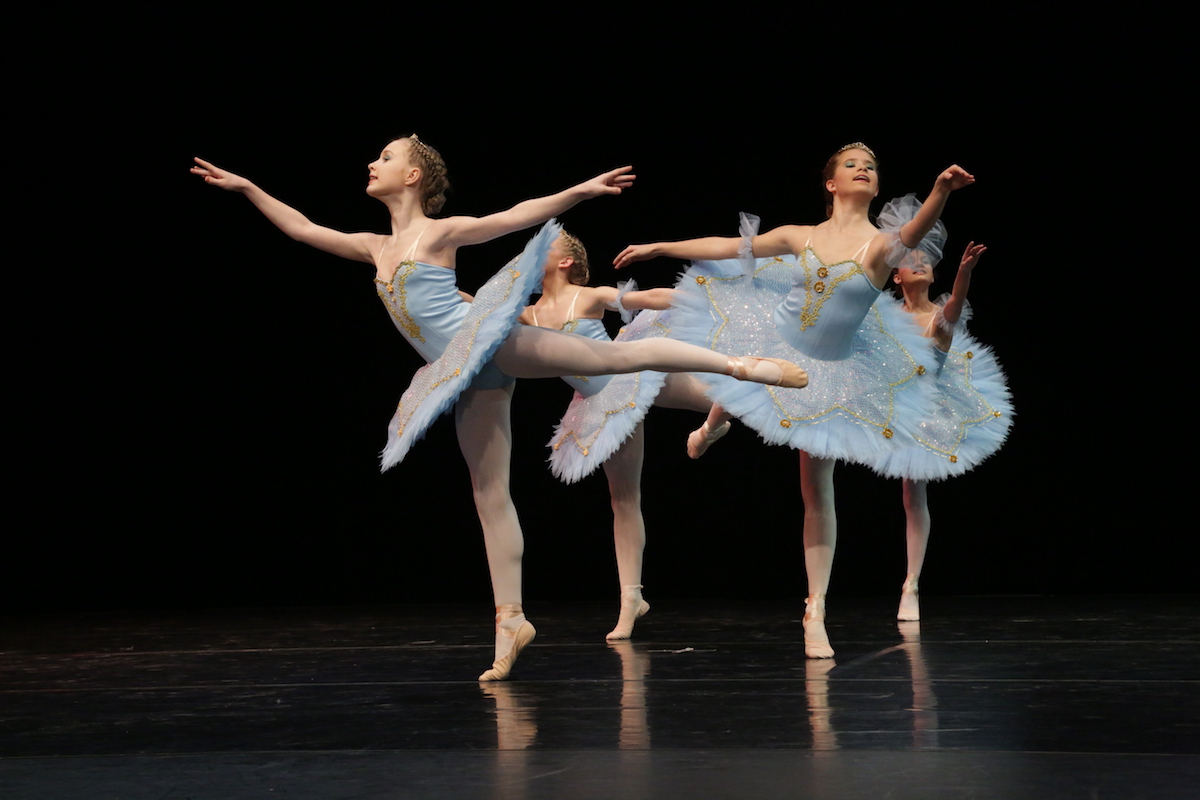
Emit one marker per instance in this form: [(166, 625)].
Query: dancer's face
[(855, 172), (915, 269), (392, 170)]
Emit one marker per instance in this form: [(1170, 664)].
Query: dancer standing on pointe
[(864, 358), (610, 429), (474, 351), (974, 410)]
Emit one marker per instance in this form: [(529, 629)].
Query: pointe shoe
[(771, 371), (910, 606), (700, 439), (513, 632), (633, 608), (816, 640)]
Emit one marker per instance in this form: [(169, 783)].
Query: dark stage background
[(203, 400)]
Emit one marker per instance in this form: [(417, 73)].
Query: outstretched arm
[(776, 242), (962, 282), (710, 248), (652, 299), (915, 229), (354, 246), (460, 231)]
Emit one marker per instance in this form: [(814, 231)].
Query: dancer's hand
[(613, 182), (970, 257), (216, 176), (636, 252), (954, 178)]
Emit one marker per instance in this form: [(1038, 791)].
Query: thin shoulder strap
[(536, 324), (862, 251), (571, 310), (412, 251)]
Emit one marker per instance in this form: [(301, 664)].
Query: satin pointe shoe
[(910, 606), (700, 439), (771, 371), (513, 632), (816, 640), (633, 608)]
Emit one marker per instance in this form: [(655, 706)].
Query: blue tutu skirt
[(437, 385), (856, 409), (599, 421), (970, 420)]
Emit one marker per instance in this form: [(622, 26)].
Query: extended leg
[(916, 515), (485, 439), (624, 472), (820, 541), (530, 352)]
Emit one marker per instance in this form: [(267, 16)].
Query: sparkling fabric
[(870, 369), (456, 337), (604, 413), (969, 422)]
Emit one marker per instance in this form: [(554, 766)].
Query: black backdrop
[(202, 400)]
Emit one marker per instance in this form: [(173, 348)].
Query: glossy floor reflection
[(1046, 697)]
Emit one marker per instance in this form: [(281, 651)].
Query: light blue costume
[(606, 409), (867, 363), (455, 337), (973, 410)]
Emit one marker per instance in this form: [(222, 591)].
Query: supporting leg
[(624, 472), (485, 439), (820, 542), (916, 514)]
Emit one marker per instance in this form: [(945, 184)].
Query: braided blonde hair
[(434, 180), (578, 273)]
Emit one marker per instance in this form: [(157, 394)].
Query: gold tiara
[(857, 146), (424, 148)]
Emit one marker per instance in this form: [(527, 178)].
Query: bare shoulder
[(784, 240), (595, 300), (372, 245)]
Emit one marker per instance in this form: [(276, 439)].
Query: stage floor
[(987, 697)]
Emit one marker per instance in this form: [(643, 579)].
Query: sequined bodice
[(825, 307), (424, 303), (592, 329)]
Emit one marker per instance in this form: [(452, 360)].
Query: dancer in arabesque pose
[(474, 349)]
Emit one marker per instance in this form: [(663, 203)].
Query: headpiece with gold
[(857, 146)]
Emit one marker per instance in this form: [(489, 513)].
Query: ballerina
[(864, 358), (612, 434), (473, 349), (974, 408)]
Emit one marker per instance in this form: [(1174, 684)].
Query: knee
[(492, 500), (626, 499)]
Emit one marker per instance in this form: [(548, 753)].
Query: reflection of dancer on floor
[(567, 303), (414, 267), (819, 320), (914, 276)]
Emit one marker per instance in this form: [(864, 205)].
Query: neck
[(849, 212), (555, 285), (405, 210), (916, 298)]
